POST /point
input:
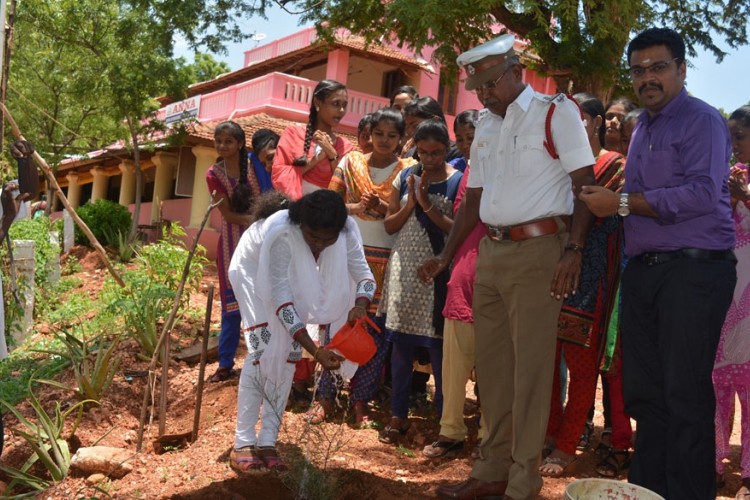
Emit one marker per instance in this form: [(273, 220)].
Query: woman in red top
[(307, 156)]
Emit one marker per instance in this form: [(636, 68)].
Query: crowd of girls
[(372, 216)]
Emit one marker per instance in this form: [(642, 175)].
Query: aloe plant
[(92, 360), (45, 437)]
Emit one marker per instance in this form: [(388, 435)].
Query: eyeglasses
[(492, 84), (657, 68), (438, 153)]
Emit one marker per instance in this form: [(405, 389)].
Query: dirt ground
[(353, 461)]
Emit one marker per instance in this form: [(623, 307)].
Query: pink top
[(461, 285), (287, 178)]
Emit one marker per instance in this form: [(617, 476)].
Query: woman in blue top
[(420, 210)]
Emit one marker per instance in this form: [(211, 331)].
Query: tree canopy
[(582, 41)]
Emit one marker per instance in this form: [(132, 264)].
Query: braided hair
[(321, 93), (241, 200)]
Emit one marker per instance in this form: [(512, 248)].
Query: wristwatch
[(624, 209)]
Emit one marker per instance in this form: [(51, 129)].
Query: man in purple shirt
[(679, 281)]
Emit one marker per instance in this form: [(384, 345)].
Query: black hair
[(242, 197), (624, 101), (264, 138), (389, 115), (321, 92), (632, 116), (432, 129), (321, 209), (365, 122), (468, 117), (426, 108), (592, 106), (404, 89), (659, 36), (268, 204), (742, 115)]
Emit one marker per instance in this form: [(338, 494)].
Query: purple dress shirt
[(679, 159)]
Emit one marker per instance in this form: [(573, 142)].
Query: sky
[(725, 85)]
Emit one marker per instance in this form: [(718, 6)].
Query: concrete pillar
[(23, 256), (166, 165), (204, 158), (127, 185), (101, 183), (74, 190), (337, 67)]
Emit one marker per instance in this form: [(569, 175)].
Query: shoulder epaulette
[(554, 100)]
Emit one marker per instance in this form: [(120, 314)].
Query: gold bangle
[(431, 207)]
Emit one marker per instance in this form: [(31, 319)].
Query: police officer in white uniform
[(527, 164)]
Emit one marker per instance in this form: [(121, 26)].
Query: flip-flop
[(558, 466), (393, 435), (614, 463), (221, 374), (443, 449), (245, 460), (318, 413)]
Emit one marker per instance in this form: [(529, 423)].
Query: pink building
[(272, 90)]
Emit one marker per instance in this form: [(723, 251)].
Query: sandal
[(222, 373), (271, 459), (443, 449), (604, 448), (614, 463), (319, 412), (393, 435), (556, 466), (585, 440), (245, 460)]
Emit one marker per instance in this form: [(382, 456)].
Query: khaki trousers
[(458, 360), (515, 322)]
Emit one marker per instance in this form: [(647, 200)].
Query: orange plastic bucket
[(354, 342)]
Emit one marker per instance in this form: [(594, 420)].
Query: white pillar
[(127, 184), (166, 165), (74, 190), (101, 183), (204, 158)]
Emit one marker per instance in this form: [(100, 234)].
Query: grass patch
[(20, 367)]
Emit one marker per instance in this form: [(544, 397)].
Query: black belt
[(654, 258)]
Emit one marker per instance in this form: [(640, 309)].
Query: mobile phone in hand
[(28, 177)]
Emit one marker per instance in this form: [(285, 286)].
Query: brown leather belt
[(533, 229)]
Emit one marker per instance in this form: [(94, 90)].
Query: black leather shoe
[(473, 488)]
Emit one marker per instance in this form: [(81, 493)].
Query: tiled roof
[(358, 44), (250, 124), (281, 63)]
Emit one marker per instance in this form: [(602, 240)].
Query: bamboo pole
[(166, 331), (52, 182)]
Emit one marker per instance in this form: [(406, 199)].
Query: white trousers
[(256, 395)]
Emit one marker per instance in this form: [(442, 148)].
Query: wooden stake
[(166, 331), (202, 369)]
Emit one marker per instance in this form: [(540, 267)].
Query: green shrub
[(105, 219), (145, 303), (37, 230)]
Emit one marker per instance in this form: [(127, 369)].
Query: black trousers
[(672, 315)]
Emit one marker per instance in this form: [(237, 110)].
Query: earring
[(317, 108)]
